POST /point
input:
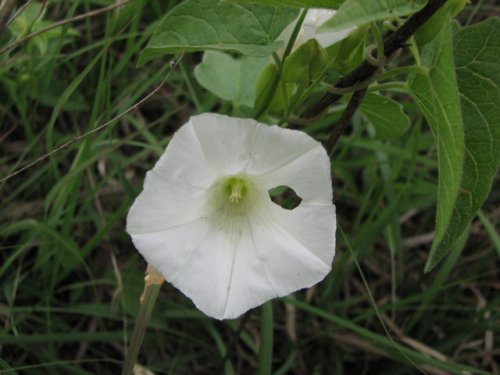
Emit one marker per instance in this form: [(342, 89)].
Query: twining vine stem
[(353, 105), (393, 41)]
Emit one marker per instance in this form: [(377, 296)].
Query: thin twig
[(6, 7)]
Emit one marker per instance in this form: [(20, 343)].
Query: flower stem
[(266, 340), (152, 285), (276, 79)]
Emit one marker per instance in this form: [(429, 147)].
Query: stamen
[(237, 189)]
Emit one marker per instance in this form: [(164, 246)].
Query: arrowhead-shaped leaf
[(232, 79), (436, 94), (476, 52), (196, 25)]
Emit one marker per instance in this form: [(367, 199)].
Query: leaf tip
[(429, 265)]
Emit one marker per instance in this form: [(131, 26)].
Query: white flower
[(315, 18), (206, 222)]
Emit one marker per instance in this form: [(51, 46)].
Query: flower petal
[(184, 160), (206, 276), (272, 262), (164, 203), (169, 250), (313, 226), (314, 19), (307, 174), (225, 141), (274, 147)]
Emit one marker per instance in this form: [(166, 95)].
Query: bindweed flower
[(314, 19), (206, 222)]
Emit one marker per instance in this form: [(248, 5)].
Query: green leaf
[(49, 96), (386, 115), (476, 51), (431, 27), (436, 94), (360, 12), (26, 20), (230, 78), (31, 20), (196, 25), (329, 4)]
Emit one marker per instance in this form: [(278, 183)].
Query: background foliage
[(70, 278)]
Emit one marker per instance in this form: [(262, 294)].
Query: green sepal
[(349, 52), (306, 64), (270, 87)]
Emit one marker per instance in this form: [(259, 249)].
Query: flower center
[(236, 189), (234, 196)]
